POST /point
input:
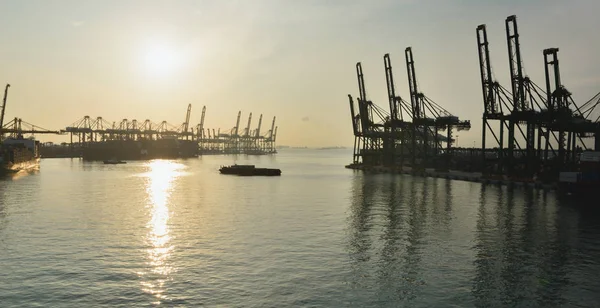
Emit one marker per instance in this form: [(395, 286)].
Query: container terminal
[(235, 141), (538, 135), (98, 139)]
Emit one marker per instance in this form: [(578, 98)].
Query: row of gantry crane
[(532, 129), (234, 140), (88, 129)]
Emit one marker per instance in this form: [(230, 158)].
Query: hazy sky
[(286, 58)]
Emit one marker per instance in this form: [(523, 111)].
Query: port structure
[(88, 130), (408, 135), (536, 132), (17, 128), (238, 141), (429, 120)]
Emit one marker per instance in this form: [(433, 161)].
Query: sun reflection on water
[(159, 185)]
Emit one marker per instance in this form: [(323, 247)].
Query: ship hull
[(17, 154), (9, 167), (249, 171)]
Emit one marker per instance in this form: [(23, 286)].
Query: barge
[(249, 170)]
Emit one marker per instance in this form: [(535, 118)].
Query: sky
[(291, 59)]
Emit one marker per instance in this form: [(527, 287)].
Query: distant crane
[(200, 128), (272, 128), (186, 124), (258, 128), (3, 107), (237, 124), (247, 131)]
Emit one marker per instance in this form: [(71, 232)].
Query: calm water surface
[(179, 234)]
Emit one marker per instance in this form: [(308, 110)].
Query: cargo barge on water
[(249, 170)]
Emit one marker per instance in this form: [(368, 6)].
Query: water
[(178, 234)]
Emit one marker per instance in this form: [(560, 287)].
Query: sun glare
[(161, 179), (161, 60)]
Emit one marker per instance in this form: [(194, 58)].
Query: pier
[(457, 175)]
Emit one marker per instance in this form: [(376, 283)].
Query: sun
[(161, 60)]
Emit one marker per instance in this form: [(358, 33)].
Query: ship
[(249, 170), (18, 154)]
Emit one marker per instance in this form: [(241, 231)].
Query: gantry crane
[(237, 125), (185, 126), (372, 129), (200, 129), (495, 100), (553, 114), (257, 135), (247, 130), (428, 119), (396, 126)]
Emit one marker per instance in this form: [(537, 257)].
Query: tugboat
[(249, 170)]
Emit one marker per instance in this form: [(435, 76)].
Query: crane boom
[(353, 115), (237, 123), (555, 102), (187, 119), (272, 128), (363, 105), (201, 126), (516, 69), (247, 132), (389, 78), (485, 67), (259, 125), (4, 105), (412, 84), (361, 82)]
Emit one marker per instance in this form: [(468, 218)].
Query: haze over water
[(179, 234)]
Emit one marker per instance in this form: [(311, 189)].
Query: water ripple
[(178, 234)]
